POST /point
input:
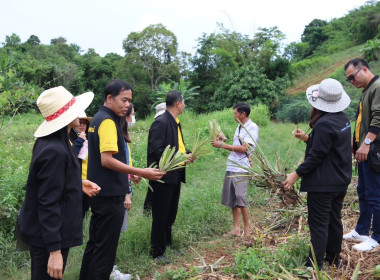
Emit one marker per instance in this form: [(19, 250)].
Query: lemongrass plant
[(264, 174), (215, 131), (199, 148), (171, 160)]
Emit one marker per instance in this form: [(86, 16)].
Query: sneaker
[(162, 259), (354, 236), (367, 245)]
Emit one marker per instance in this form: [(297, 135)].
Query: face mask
[(130, 124)]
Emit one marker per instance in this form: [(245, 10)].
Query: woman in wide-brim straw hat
[(50, 220), (326, 170)]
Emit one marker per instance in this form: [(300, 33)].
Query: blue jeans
[(369, 201)]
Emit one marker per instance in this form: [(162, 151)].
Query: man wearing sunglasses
[(367, 129)]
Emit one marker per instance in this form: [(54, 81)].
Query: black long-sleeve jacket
[(328, 165), (163, 132), (51, 216)]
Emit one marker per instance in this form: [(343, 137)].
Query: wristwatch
[(367, 141)]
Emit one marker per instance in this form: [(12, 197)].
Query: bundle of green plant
[(215, 131), (263, 174), (199, 147), (171, 160)]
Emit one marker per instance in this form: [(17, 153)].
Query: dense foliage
[(226, 67)]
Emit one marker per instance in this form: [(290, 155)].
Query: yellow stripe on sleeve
[(108, 137)]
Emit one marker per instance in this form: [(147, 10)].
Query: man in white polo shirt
[(235, 188)]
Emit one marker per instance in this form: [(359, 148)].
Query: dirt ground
[(224, 247)]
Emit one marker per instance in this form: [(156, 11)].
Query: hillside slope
[(316, 75)]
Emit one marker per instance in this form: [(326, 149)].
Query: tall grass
[(200, 214)]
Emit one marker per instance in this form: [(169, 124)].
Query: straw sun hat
[(59, 108), (328, 96), (83, 116), (160, 109)]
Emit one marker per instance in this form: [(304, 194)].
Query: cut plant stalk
[(199, 147), (215, 131), (264, 174), (170, 160)]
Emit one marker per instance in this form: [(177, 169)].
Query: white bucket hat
[(328, 96), (59, 108), (160, 109)]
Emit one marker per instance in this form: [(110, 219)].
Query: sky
[(104, 24)]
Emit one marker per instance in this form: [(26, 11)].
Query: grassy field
[(279, 236), (200, 219)]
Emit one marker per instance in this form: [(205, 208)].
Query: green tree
[(132, 70), (33, 40), (371, 50), (76, 48), (248, 84), (296, 51), (59, 40), (157, 48), (183, 61), (365, 22), (16, 96), (217, 55), (151, 58), (313, 34), (49, 66), (266, 47), (338, 32), (96, 73), (12, 41)]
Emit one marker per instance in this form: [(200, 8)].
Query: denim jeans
[(369, 201)]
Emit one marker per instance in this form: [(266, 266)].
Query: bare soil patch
[(304, 83)]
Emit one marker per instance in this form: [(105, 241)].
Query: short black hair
[(357, 62), (115, 87), (243, 107), (172, 97)]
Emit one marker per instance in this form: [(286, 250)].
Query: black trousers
[(105, 225), (325, 223), (85, 204), (39, 260), (164, 213), (148, 202)]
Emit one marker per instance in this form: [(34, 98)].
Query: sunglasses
[(83, 122), (351, 78)]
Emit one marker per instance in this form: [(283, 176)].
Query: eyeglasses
[(83, 122), (351, 78)]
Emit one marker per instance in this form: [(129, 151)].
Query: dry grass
[(270, 229), (349, 256)]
